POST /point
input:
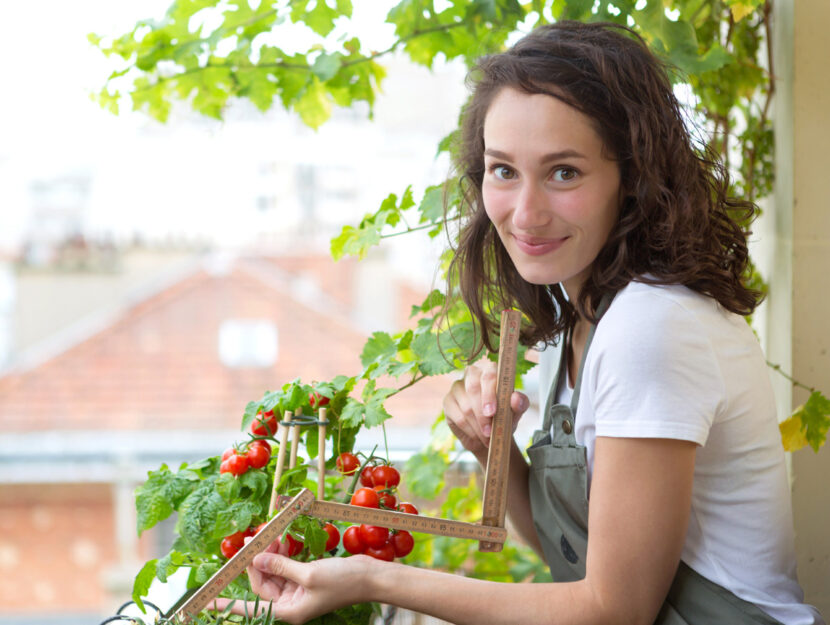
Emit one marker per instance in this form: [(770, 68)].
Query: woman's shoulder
[(654, 310)]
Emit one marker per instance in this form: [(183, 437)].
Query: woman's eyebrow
[(553, 156)]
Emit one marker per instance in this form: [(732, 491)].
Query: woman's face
[(549, 190)]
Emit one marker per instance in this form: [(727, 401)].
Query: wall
[(799, 332)]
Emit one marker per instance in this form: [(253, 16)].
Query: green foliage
[(207, 53)]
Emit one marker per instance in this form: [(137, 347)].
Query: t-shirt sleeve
[(652, 371)]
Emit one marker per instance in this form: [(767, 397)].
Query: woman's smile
[(537, 246)]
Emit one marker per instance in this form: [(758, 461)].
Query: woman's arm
[(640, 500)]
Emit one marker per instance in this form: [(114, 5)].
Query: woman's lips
[(535, 246)]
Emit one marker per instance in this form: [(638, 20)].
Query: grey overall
[(559, 502)]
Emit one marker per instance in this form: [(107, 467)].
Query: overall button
[(567, 428)]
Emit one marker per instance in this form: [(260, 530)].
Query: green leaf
[(379, 348), (255, 480), (432, 206), (435, 299), (152, 504), (169, 564), (815, 415), (425, 474), (326, 65), (354, 242), (314, 105), (198, 516), (142, 583), (352, 415), (205, 571), (431, 360)]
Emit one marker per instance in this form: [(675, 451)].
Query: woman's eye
[(502, 172), (564, 174)]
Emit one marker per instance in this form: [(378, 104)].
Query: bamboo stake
[(321, 455), (295, 439), (280, 466)]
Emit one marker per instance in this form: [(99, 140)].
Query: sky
[(149, 178)]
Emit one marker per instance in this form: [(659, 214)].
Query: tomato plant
[(385, 498), (334, 536), (407, 507), (258, 454), (383, 552), (386, 476), (317, 401), (352, 542), (402, 542), (366, 498), (347, 463), (373, 535), (265, 424), (366, 478)]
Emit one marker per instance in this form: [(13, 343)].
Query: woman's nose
[(531, 209)]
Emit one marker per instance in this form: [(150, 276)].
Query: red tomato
[(258, 455), (237, 540), (366, 498), (294, 546), (384, 552), (403, 542), (265, 424), (227, 548), (407, 507), (227, 453), (373, 535), (386, 500), (317, 401), (366, 477), (384, 475), (236, 464), (352, 541), (334, 536), (262, 443), (347, 463)]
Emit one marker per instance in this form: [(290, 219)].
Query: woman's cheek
[(496, 202)]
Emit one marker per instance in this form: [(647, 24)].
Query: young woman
[(590, 210)]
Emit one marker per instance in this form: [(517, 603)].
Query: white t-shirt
[(667, 362)]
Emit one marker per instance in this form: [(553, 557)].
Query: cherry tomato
[(347, 463), (227, 453), (366, 498), (258, 455), (384, 475), (227, 548), (265, 424), (384, 552), (334, 536), (259, 527), (317, 401), (262, 443), (373, 535), (366, 477), (352, 541), (403, 542), (237, 539), (386, 500), (236, 464), (407, 507), (294, 546)]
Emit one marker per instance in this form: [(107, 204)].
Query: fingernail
[(485, 430), (489, 409)]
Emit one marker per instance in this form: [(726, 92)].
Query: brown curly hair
[(677, 224)]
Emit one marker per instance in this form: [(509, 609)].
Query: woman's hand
[(300, 591), (471, 404)]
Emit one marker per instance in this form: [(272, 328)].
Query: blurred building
[(158, 372)]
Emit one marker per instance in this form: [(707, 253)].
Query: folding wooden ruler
[(490, 533)]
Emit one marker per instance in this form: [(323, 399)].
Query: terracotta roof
[(158, 367)]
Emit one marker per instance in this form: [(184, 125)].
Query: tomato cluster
[(233, 543), (378, 483), (255, 456)]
